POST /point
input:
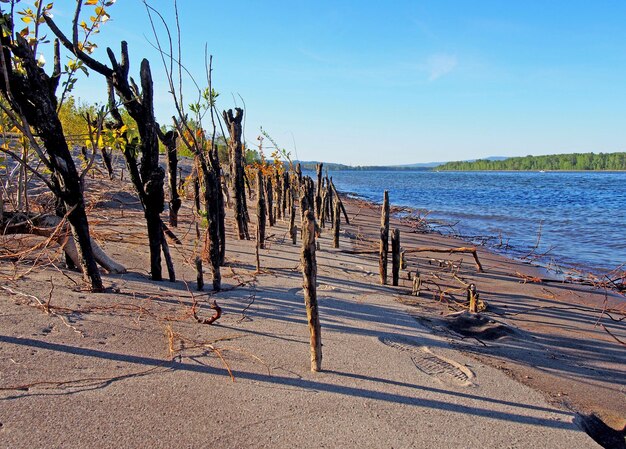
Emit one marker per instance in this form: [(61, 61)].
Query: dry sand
[(132, 368)]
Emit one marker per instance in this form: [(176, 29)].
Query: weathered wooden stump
[(395, 257), (309, 274), (384, 239)]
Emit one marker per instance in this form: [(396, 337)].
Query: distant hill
[(419, 166), (331, 166), (554, 162)]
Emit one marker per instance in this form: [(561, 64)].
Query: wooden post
[(299, 174), (336, 225), (286, 191), (324, 214), (279, 195), (292, 225), (260, 210), (309, 274), (270, 200), (384, 239), (331, 210), (395, 257), (318, 192), (257, 250), (199, 275)]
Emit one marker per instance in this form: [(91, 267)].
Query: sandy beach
[(133, 368)]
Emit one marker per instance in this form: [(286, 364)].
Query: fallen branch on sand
[(468, 250), (55, 229)]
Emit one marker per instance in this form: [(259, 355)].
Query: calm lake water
[(582, 216)]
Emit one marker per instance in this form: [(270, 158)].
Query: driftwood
[(468, 250), (343, 209), (57, 229), (384, 239), (309, 274)]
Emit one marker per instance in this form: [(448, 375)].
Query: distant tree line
[(574, 161)]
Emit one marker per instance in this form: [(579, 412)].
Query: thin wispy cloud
[(439, 65)]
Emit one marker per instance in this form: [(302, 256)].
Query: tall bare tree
[(147, 176), (31, 97)]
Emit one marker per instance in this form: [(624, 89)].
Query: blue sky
[(363, 82)]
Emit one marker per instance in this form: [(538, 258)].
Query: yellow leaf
[(26, 19), (91, 2)]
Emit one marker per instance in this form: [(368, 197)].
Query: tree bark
[(169, 141), (309, 274), (384, 239)]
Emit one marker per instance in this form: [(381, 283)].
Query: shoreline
[(558, 270)]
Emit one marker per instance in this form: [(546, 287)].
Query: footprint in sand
[(445, 370)]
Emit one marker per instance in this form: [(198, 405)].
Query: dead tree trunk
[(270, 200), (237, 170), (211, 191), (169, 140), (318, 192), (260, 210), (384, 239), (199, 275), (395, 257), (324, 214), (331, 202), (286, 191), (293, 232), (279, 195), (299, 174), (309, 274), (336, 226), (148, 176), (31, 93)]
